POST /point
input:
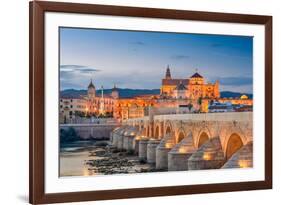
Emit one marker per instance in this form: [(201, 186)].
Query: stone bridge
[(190, 141)]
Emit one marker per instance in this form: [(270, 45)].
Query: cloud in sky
[(136, 59), (235, 81), (138, 43), (79, 68), (180, 57)]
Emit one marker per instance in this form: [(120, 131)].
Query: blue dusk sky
[(135, 59)]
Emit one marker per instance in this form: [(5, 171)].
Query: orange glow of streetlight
[(243, 163), (168, 145), (182, 150), (207, 156)]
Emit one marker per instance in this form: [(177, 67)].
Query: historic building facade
[(100, 104), (188, 88), (177, 95)]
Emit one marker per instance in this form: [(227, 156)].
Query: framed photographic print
[(139, 102)]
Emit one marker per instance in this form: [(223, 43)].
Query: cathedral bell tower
[(115, 93), (91, 90), (168, 73)]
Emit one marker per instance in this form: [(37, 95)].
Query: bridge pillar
[(143, 149), (125, 142), (151, 151), (136, 145), (243, 158), (128, 142), (165, 146), (178, 156), (120, 142), (114, 136), (131, 142), (208, 156), (120, 138), (128, 137), (162, 158)]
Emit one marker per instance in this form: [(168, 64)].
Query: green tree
[(69, 135), (190, 106), (200, 100)]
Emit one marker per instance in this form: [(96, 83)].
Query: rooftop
[(91, 85), (196, 75), (180, 86)]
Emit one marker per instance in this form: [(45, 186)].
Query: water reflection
[(73, 157)]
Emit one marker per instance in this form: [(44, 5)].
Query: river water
[(73, 158), (89, 158)]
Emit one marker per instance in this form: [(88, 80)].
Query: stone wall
[(91, 131)]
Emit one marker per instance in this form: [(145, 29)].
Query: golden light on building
[(182, 150), (207, 156), (138, 137), (243, 163), (168, 145), (174, 92), (244, 97)]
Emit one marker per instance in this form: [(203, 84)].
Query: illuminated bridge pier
[(189, 141)]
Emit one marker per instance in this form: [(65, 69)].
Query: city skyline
[(138, 60)]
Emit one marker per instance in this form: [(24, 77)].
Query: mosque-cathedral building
[(189, 94), (188, 88)]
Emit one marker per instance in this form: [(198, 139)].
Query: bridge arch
[(141, 126), (157, 132), (203, 137), (231, 130), (168, 128), (145, 131), (234, 143), (181, 135)]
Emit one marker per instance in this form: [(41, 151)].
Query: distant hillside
[(72, 93), (228, 94), (127, 93), (123, 92)]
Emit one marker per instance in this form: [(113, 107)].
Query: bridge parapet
[(226, 116)]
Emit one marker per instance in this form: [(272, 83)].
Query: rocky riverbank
[(109, 160), (90, 158)]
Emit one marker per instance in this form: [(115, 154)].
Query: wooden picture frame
[(38, 9)]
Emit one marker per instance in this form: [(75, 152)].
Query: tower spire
[(102, 91), (168, 73)]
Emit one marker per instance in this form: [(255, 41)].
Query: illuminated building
[(188, 94), (188, 88)]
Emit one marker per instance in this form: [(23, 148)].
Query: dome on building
[(91, 85), (196, 75), (180, 86), (244, 97)]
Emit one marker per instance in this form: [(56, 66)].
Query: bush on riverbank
[(69, 135), (101, 144)]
